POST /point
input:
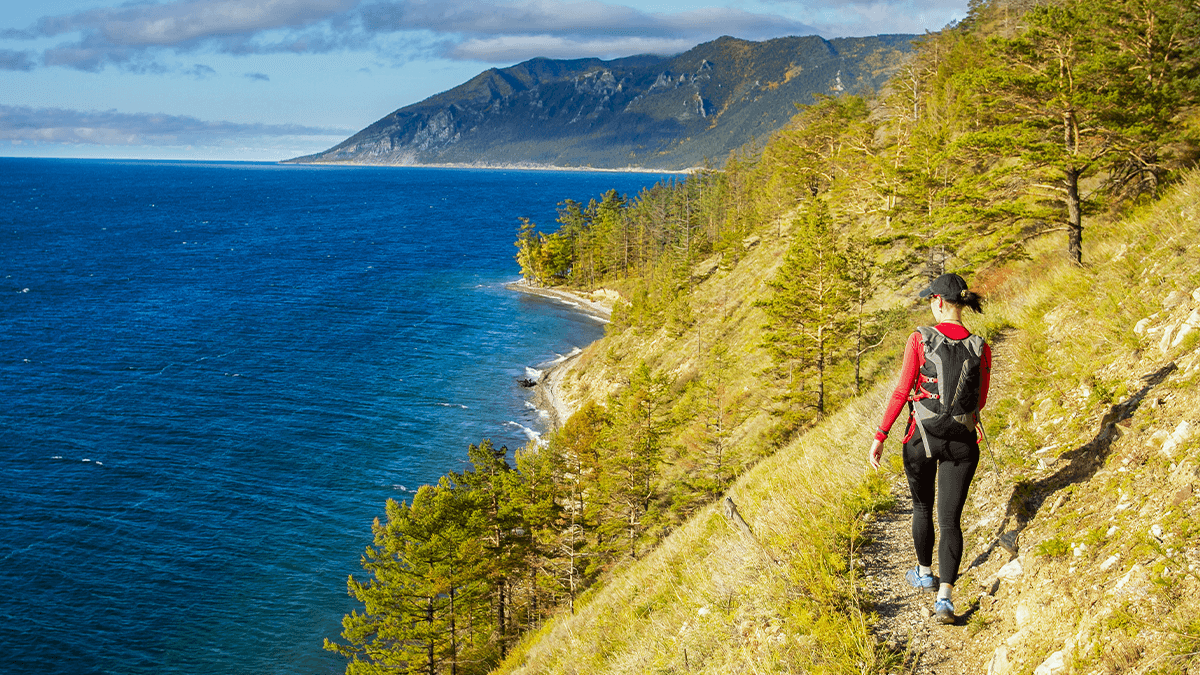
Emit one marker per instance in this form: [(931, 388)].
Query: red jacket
[(914, 357)]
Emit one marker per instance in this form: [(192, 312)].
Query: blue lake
[(215, 374)]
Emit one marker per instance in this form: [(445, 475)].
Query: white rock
[(1112, 560), (1022, 615), (1140, 327), (703, 611), (1164, 345), (1055, 664), (1173, 300), (1190, 324), (1196, 295), (1012, 571), (1181, 435), (999, 663), (1016, 638), (1157, 531), (1079, 549), (1111, 531)]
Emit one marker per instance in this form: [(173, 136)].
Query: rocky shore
[(549, 396)]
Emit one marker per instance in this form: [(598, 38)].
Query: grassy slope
[(1107, 520), (1078, 431)]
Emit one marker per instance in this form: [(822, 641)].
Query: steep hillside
[(644, 111), (1081, 536)]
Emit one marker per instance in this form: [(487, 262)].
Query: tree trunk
[(1074, 217), (432, 663)]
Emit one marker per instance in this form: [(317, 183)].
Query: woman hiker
[(944, 380)]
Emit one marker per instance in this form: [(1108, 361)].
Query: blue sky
[(272, 79)]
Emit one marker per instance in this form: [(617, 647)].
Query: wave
[(559, 358), (534, 373), (452, 405), (530, 434)]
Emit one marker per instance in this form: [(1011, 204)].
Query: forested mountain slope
[(642, 111)]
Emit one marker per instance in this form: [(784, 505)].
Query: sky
[(267, 80)]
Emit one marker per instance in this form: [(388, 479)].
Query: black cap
[(949, 286)]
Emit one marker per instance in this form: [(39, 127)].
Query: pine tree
[(423, 568), (1087, 88), (808, 311)]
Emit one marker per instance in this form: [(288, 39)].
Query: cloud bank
[(21, 124), (140, 36)]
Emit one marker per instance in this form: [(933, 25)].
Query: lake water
[(215, 374)]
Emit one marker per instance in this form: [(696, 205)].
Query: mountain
[(641, 111)]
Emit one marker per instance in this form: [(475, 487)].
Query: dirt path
[(905, 614)]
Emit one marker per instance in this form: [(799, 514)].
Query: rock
[(705, 269), (1173, 300), (990, 585), (1196, 295), (1009, 541), (1012, 571), (1139, 328), (1055, 664), (1181, 435), (1016, 638), (1185, 472), (998, 665), (1112, 560), (1190, 324), (1164, 345), (1182, 495), (1157, 531), (1022, 615)]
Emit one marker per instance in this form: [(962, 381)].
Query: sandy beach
[(548, 395)]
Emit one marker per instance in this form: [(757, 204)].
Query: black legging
[(952, 467)]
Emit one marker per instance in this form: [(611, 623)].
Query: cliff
[(644, 111)]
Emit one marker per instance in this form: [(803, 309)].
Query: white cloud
[(178, 23), (508, 49), (56, 125), (140, 37)]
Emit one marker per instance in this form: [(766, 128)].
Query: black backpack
[(946, 403)]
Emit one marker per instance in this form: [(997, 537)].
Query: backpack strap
[(929, 336)]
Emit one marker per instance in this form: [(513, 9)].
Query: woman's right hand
[(876, 453)]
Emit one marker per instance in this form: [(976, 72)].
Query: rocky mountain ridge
[(653, 112)]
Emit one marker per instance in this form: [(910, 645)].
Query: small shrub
[(1052, 548)]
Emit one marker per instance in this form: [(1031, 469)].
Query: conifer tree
[(808, 313), (423, 567), (1087, 87), (630, 482)]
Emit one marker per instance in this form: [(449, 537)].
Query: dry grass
[(708, 600)]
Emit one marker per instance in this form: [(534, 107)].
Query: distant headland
[(647, 112)]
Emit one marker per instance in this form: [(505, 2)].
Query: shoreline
[(547, 395), (504, 167)]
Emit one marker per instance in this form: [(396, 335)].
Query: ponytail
[(969, 299)]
